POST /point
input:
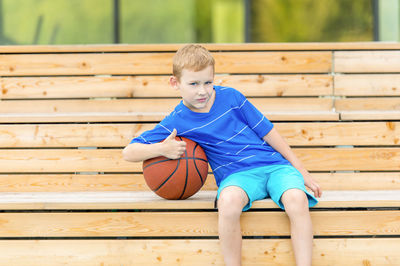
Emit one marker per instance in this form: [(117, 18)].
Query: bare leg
[(296, 206), (231, 201)]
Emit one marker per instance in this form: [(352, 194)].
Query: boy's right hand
[(172, 148)]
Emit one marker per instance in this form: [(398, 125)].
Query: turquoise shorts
[(267, 182)]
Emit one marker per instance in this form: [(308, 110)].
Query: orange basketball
[(177, 179)]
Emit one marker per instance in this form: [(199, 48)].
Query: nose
[(201, 90)]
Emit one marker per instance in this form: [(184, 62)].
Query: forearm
[(279, 144), (276, 141), (137, 152), (170, 148)]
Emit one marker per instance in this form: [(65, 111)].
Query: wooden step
[(369, 251), (201, 200), (191, 224), (135, 182)]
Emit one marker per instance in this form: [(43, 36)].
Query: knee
[(295, 201), (231, 202)]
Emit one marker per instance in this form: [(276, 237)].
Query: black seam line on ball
[(166, 160), (166, 180), (187, 173), (195, 165)]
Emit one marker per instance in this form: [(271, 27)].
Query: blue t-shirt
[(231, 133)]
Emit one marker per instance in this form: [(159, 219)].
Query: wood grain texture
[(150, 109), (135, 182), (119, 135), (211, 46), (193, 224), (369, 115), (56, 168), (150, 106), (367, 85), (158, 86), (160, 63), (380, 104), (66, 87), (110, 160), (367, 61), (194, 252), (203, 200)]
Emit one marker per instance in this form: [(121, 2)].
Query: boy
[(249, 159)]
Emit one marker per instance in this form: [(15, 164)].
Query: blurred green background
[(182, 21)]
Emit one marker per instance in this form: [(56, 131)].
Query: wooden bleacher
[(68, 198)]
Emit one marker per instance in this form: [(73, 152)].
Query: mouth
[(202, 100)]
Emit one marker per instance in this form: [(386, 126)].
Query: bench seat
[(67, 197), (202, 200)]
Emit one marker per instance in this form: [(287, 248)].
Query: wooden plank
[(70, 135), (270, 62), (144, 106), (211, 46), (118, 117), (85, 64), (358, 181), (135, 106), (147, 200), (66, 87), (150, 109), (60, 160), (173, 224), (77, 182), (158, 86), (110, 160), (370, 251), (193, 252), (348, 159), (367, 85), (368, 104), (278, 85), (367, 61), (160, 63), (119, 135), (135, 182), (249, 85), (356, 133), (369, 115), (149, 117), (381, 108)]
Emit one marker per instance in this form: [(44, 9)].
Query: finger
[(318, 191), (172, 135), (182, 144)]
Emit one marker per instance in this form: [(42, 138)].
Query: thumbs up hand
[(172, 148)]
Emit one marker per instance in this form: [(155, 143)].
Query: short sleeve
[(255, 119), (155, 135)]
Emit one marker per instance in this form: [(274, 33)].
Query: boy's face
[(196, 89)]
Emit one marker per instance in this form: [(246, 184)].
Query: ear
[(173, 81)]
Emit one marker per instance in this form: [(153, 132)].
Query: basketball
[(177, 179)]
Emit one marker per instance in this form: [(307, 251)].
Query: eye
[(193, 83), (208, 82)]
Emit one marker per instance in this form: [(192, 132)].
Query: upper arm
[(276, 141), (254, 118)]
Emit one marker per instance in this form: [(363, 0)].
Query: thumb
[(172, 135)]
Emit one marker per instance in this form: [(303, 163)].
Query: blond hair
[(193, 57)]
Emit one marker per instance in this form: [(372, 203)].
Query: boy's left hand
[(313, 185)]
